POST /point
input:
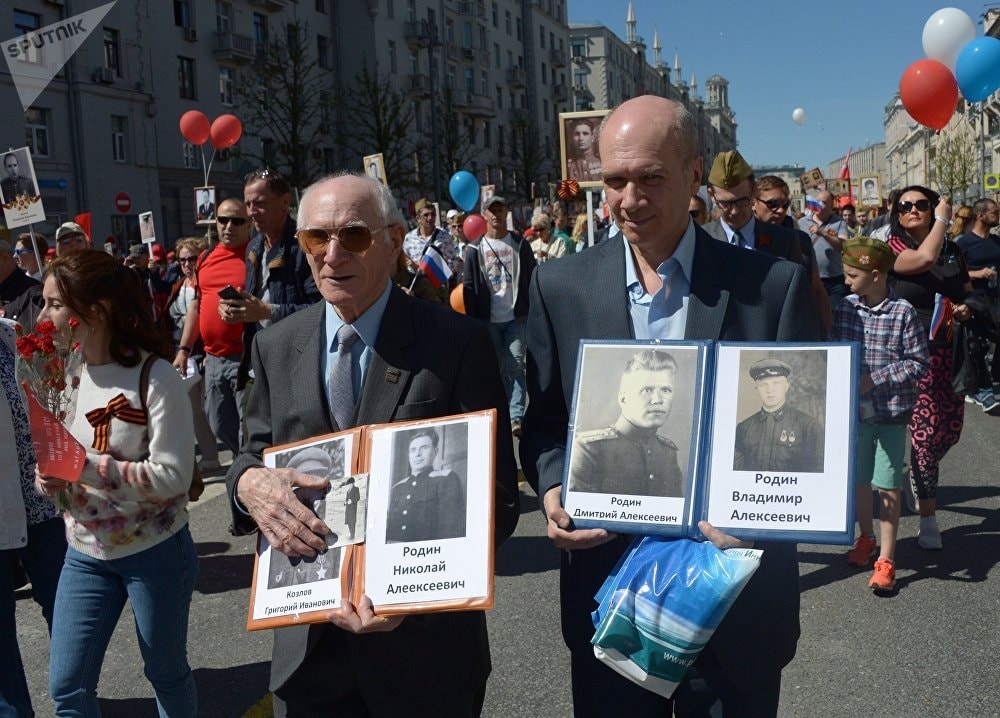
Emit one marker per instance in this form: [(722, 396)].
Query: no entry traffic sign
[(123, 202)]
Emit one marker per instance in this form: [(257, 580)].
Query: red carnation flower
[(74, 322), (47, 327)]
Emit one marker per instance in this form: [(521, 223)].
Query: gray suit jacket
[(429, 362), (771, 239), (583, 297)]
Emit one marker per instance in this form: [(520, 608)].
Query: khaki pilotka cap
[(868, 253), (729, 169)]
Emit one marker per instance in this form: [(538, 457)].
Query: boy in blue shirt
[(894, 357)]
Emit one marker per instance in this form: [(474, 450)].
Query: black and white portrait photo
[(780, 411), (870, 195), (634, 420), (578, 135), (375, 168), (204, 202), (427, 496), (345, 503), (146, 229), (18, 179)]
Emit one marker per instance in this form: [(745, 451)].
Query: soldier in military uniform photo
[(426, 504), (778, 437), (631, 456)]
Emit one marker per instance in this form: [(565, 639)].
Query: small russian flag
[(434, 267), (941, 318), (813, 204)]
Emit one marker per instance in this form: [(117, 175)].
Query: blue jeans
[(42, 560), (159, 582), (508, 342), (223, 401)]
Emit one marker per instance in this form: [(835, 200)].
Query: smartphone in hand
[(230, 292)]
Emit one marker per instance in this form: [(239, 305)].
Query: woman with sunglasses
[(182, 295), (930, 274), (126, 517)]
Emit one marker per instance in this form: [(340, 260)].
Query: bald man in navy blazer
[(664, 278)]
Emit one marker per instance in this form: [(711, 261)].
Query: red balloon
[(195, 127), (226, 131), (474, 227), (929, 93)]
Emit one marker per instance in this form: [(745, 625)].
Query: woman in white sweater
[(126, 518)]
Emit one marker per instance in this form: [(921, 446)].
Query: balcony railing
[(233, 47)]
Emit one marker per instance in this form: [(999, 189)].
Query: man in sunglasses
[(827, 231), (368, 354), (70, 238), (219, 323), (771, 203), (731, 184), (25, 255), (20, 295)]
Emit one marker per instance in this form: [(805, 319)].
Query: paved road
[(929, 651)]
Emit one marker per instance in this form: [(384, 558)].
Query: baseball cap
[(67, 229), (452, 213), (494, 200)]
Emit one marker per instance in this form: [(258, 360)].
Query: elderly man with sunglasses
[(220, 327), (367, 354)]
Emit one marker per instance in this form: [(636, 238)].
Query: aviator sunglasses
[(774, 204), (355, 238), (922, 205)]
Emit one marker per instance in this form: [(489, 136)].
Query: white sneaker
[(929, 535), (210, 465)]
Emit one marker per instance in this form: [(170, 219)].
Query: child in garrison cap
[(894, 357)]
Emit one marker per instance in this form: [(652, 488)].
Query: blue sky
[(841, 66)]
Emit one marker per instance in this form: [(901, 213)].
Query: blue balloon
[(464, 189), (977, 68)]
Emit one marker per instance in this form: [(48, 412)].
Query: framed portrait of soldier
[(636, 418), (292, 589), (783, 439), (430, 512), (870, 191), (813, 179), (578, 146), (375, 168), (19, 195), (147, 231), (204, 203), (839, 186)]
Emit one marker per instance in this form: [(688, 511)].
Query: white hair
[(380, 195)]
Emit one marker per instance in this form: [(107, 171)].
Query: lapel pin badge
[(392, 376)]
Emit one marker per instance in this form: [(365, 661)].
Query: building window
[(506, 19), (226, 85), (496, 15), (496, 55), (414, 64), (499, 98), (545, 73), (411, 10), (323, 52), (466, 34), (25, 23), (390, 9), (484, 83), (487, 134), (518, 35), (577, 49), (260, 34), (392, 57), (545, 108), (36, 131), (223, 16), (119, 127), (451, 77), (470, 81), (190, 156), (541, 36), (112, 57), (500, 142), (185, 78), (182, 13)]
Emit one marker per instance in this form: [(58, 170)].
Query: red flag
[(84, 221), (845, 171)]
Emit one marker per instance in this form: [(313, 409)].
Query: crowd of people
[(285, 327)]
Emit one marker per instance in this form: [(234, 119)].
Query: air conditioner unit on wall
[(190, 34)]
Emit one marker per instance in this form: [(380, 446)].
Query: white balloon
[(946, 33), (799, 116)]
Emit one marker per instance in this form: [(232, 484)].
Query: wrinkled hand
[(288, 525), (721, 540), (49, 485), (560, 526), (362, 620)]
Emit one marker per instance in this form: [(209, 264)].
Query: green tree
[(455, 146), (530, 163), (379, 120), (956, 161), (284, 100)]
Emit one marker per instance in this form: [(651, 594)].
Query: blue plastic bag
[(661, 605)]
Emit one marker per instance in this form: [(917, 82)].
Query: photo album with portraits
[(755, 438), (410, 510)]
